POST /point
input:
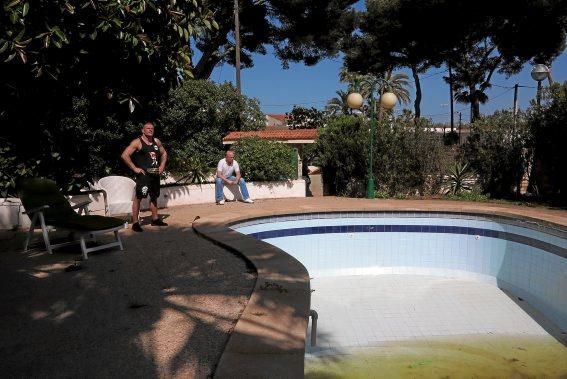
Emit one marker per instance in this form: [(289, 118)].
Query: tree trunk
[(417, 102), (451, 98), (476, 110), (211, 57), (206, 64), (472, 99), (475, 105)]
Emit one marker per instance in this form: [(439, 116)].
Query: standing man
[(147, 158), (226, 170)]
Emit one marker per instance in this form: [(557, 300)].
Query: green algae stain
[(470, 357)]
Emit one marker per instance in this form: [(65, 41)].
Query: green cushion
[(36, 192), (89, 222)]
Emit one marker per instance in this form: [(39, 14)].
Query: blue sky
[(278, 90)]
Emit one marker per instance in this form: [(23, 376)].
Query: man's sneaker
[(136, 227), (249, 201), (158, 222), (220, 202)]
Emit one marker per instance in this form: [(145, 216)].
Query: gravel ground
[(164, 307)]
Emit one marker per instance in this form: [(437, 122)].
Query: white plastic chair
[(119, 194)]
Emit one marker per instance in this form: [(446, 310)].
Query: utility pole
[(237, 47), (460, 124), (451, 101), (515, 102)]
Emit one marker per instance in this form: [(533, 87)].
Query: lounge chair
[(46, 206), (119, 193)]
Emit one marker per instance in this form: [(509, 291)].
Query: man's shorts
[(147, 185)]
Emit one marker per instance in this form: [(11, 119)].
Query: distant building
[(276, 121), (295, 138)]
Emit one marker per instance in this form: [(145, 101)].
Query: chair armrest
[(83, 207), (81, 204), (93, 192), (105, 198), (35, 210)]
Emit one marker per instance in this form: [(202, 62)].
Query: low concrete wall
[(11, 211), (11, 214), (205, 193)]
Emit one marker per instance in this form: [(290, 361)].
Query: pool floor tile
[(370, 310)]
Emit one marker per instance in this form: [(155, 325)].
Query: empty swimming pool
[(396, 284)]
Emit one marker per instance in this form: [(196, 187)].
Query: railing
[(314, 316)]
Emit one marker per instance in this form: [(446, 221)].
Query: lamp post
[(387, 101), (539, 73), (237, 47)]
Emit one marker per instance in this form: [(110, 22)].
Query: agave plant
[(459, 174), (190, 169)]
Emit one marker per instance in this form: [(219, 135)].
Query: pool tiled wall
[(530, 260)]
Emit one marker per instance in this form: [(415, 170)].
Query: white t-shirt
[(226, 169)]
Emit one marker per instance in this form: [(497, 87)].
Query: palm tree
[(338, 104), (474, 97), (366, 85), (354, 81), (474, 64), (397, 83)]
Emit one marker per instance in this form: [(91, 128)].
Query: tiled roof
[(277, 116), (279, 135)]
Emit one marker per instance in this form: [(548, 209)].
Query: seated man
[(226, 170)]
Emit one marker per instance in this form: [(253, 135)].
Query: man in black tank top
[(147, 157)]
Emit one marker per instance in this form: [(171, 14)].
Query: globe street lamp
[(387, 101), (539, 73)]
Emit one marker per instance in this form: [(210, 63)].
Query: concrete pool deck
[(168, 305)]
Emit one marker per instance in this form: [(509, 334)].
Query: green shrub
[(83, 137), (496, 151), (12, 171), (451, 138), (341, 148), (474, 195), (548, 124), (381, 195), (75, 147), (195, 117), (409, 158), (262, 160)]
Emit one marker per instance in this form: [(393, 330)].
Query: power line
[(427, 77), (508, 89), (434, 74), (305, 103), (497, 85), (520, 86), (502, 93), (466, 110)]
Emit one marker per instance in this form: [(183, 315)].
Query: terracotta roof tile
[(286, 135), (281, 117)]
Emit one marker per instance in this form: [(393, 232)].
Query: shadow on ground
[(163, 307)]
